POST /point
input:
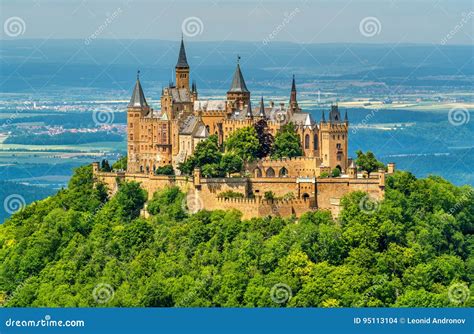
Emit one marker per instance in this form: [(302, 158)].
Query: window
[(283, 172), (270, 172), (257, 172), (338, 146), (315, 142), (306, 142)]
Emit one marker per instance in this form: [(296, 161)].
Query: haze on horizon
[(299, 21)]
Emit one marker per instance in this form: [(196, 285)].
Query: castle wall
[(331, 190), (309, 193)]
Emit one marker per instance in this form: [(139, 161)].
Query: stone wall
[(309, 193)]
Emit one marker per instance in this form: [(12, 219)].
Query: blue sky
[(323, 21)]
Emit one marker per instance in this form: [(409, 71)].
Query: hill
[(81, 248)]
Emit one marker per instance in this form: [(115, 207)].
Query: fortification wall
[(258, 207), (322, 194), (331, 190)]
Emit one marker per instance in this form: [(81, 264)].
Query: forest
[(82, 248)]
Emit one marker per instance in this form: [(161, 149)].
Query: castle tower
[(182, 68), (261, 112), (333, 140), (238, 93), (293, 101), (194, 91), (137, 108)]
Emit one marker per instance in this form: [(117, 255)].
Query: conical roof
[(138, 97), (262, 108), (182, 61), (249, 110), (238, 83)]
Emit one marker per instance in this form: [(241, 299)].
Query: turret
[(137, 109), (238, 91), (182, 68), (261, 112), (293, 101), (194, 91), (334, 114), (249, 113), (138, 100)]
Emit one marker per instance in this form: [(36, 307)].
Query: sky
[(267, 21)]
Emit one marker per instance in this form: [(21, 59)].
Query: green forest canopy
[(409, 251)]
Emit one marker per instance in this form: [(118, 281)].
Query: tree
[(367, 162), (130, 199), (104, 166), (265, 138), (269, 195), (244, 143), (120, 164), (57, 251), (336, 172), (287, 143), (231, 163), (206, 152), (165, 170)]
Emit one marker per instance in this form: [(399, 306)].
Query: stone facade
[(169, 136)]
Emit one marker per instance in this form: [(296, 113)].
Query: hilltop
[(81, 248)]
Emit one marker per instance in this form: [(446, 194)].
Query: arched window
[(305, 196), (315, 143), (270, 172), (257, 172), (306, 142), (283, 172)]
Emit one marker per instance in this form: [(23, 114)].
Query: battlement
[(333, 126), (244, 201), (212, 113), (294, 159)]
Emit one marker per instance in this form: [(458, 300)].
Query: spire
[(238, 82), (345, 116), (323, 117), (138, 98), (293, 102), (182, 61), (334, 114), (249, 110), (262, 108)]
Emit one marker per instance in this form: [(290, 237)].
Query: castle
[(158, 138)]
